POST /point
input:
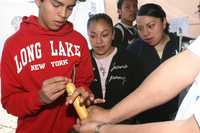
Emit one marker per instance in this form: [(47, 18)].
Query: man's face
[(53, 14)]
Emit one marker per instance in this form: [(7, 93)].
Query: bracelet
[(97, 128)]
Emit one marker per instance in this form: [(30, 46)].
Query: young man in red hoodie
[(38, 62)]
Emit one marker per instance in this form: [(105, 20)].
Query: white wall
[(9, 12), (81, 13)]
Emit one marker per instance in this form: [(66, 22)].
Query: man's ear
[(38, 2), (164, 23), (119, 11)]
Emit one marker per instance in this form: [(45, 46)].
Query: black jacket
[(120, 82), (123, 36), (148, 60)]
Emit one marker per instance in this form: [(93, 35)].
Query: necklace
[(102, 69), (104, 63), (103, 66)]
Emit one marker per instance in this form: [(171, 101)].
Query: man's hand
[(85, 96), (52, 89)]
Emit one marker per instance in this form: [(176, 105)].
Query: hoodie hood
[(30, 24)]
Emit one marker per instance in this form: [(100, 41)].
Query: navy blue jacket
[(148, 60)]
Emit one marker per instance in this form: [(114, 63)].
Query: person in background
[(125, 30), (114, 69), (37, 63), (154, 46)]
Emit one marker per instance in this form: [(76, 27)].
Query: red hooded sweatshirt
[(32, 55)]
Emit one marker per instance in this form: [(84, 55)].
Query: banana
[(80, 109)]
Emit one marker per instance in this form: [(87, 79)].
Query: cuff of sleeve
[(35, 102)]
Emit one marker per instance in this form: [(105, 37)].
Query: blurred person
[(125, 30)]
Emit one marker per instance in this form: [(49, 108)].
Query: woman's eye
[(92, 36), (70, 8), (55, 5), (151, 26)]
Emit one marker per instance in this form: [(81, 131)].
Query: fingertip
[(81, 100), (70, 102), (68, 80), (66, 103), (92, 98)]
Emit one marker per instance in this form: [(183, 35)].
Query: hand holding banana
[(75, 99), (80, 108)]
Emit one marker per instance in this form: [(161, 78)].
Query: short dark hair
[(100, 16), (153, 10), (120, 2)]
